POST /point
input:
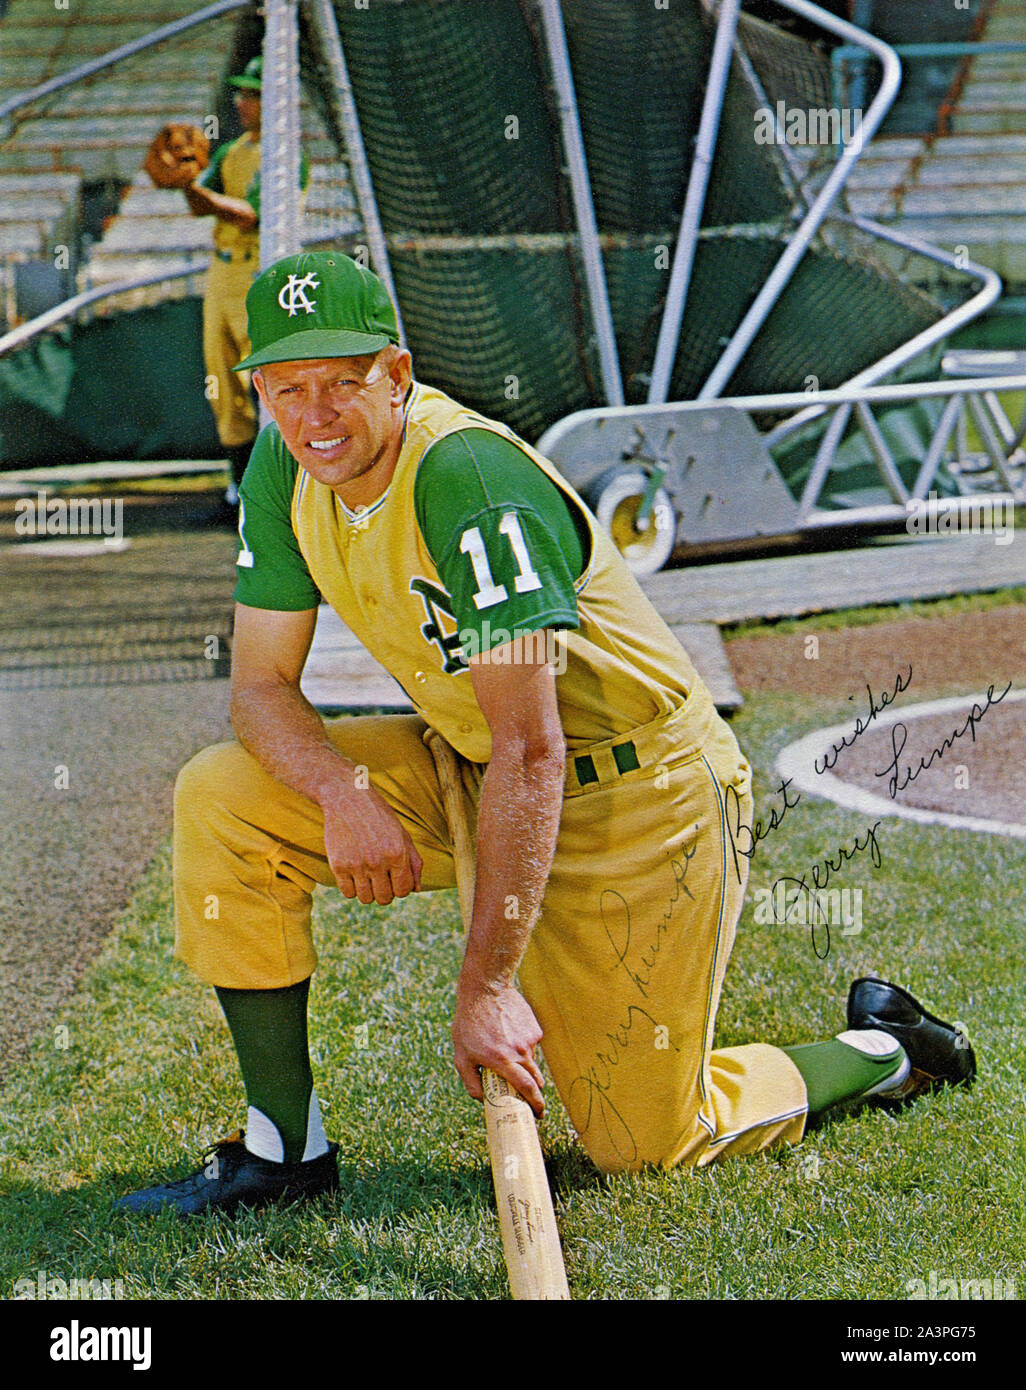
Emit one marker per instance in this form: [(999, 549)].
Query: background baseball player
[(597, 769), (230, 190)]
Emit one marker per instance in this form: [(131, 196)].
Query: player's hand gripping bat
[(530, 1239)]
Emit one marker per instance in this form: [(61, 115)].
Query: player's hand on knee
[(496, 1028), (370, 851)]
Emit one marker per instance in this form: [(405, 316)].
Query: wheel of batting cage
[(616, 499)]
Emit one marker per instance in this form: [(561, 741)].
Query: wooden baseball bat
[(530, 1238)]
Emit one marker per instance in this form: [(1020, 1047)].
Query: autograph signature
[(616, 920), (588, 1098), (910, 773), (802, 885)]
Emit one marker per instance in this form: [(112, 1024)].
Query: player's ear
[(400, 370), (261, 390)]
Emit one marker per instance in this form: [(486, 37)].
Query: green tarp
[(125, 387)]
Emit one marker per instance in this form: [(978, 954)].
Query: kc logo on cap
[(293, 296), (350, 307)]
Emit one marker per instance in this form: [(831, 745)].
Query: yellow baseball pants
[(625, 965), (225, 343)]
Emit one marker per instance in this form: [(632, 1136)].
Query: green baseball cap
[(251, 77), (317, 304)]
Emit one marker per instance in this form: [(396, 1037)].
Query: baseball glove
[(177, 155)]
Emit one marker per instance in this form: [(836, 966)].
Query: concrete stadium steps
[(98, 130), (101, 128), (994, 242), (153, 228), (884, 161), (61, 187), (96, 147), (23, 240), (990, 117), (992, 99), (88, 39), (959, 190), (31, 51), (28, 15), (176, 232), (104, 98), (966, 187), (979, 200), (883, 168)]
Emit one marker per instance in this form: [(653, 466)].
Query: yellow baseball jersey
[(235, 171), (421, 601)]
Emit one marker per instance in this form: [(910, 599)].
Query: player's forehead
[(318, 369)]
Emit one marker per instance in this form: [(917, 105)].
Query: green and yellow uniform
[(478, 538)]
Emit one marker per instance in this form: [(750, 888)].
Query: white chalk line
[(797, 762)]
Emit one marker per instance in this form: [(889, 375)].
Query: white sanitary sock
[(873, 1042), (264, 1140), (262, 1137), (316, 1139)]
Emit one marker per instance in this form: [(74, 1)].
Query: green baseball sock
[(848, 1067), (268, 1028)]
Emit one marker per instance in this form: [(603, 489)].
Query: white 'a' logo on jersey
[(293, 296)]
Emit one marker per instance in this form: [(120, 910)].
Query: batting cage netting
[(461, 127)]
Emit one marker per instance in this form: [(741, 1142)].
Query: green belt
[(624, 755), (668, 739), (229, 258)]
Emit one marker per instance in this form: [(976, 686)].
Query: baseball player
[(595, 766), (230, 190)]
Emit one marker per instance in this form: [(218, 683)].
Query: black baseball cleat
[(939, 1053), (232, 1177)]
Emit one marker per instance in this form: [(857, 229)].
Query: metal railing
[(60, 313), (848, 66)]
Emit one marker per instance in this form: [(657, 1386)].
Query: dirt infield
[(962, 653), (953, 761), (963, 761)]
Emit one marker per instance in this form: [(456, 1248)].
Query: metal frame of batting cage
[(687, 241), (1003, 452), (281, 74), (280, 203), (1002, 442)]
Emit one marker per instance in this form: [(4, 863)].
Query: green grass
[(867, 1203)]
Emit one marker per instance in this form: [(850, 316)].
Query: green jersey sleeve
[(502, 535), (271, 570), (211, 177)]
